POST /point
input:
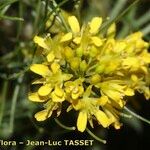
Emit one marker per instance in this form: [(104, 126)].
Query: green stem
[(3, 100), (64, 126), (124, 31), (143, 19), (136, 115), (46, 8), (125, 115), (14, 75), (60, 16), (146, 30), (11, 18), (117, 8), (38, 11), (13, 106), (42, 26), (95, 137), (21, 16), (117, 18)]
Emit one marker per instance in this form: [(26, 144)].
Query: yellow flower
[(46, 113), (82, 121), (40, 69), (41, 42), (35, 97), (75, 27), (92, 72), (58, 95), (76, 36), (45, 90), (114, 91), (74, 89), (42, 115), (88, 107)]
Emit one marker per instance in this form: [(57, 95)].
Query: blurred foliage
[(20, 21)]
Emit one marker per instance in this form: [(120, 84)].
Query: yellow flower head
[(93, 73)]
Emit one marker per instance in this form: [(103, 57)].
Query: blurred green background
[(20, 21)]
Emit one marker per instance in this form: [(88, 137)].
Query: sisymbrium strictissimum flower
[(92, 72)]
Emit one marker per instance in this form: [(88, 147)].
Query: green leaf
[(117, 18), (11, 18), (5, 3)]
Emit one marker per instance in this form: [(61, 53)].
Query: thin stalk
[(5, 3), (124, 31), (3, 100), (77, 8), (11, 18), (117, 8), (46, 8), (136, 115), (125, 115), (95, 137), (60, 16), (14, 75), (38, 11), (13, 106), (41, 28), (64, 126), (20, 23), (146, 30), (117, 18), (143, 19)]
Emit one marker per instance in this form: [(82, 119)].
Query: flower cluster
[(93, 72)]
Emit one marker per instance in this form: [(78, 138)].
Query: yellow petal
[(95, 79), (34, 97), (66, 37), (42, 115), (78, 104), (74, 24), (40, 69), (41, 42), (102, 101), (113, 94), (75, 63), (75, 95), (111, 30), (134, 36), (69, 53), (129, 92), (95, 25), (144, 69), (56, 98), (102, 118), (131, 62), (145, 56), (39, 81), (117, 125), (134, 78), (67, 77), (97, 41), (55, 67), (83, 66), (58, 91), (82, 121), (77, 40), (50, 57), (44, 90), (119, 46)]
